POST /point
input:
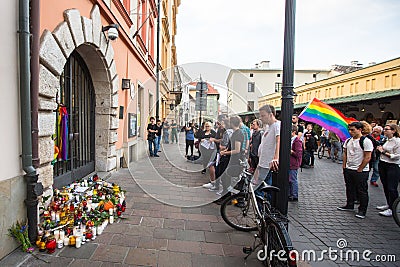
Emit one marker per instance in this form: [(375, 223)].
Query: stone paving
[(179, 228)]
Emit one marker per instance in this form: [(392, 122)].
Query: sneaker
[(203, 171), (384, 207), (339, 162), (157, 156), (386, 213), (328, 158), (345, 208), (219, 193), (360, 215), (208, 185), (213, 189)]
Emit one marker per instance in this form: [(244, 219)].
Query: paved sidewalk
[(180, 228)]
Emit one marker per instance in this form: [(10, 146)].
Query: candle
[(78, 242), (111, 211), (57, 216), (60, 243), (53, 215), (111, 219), (62, 235), (57, 234), (66, 241)]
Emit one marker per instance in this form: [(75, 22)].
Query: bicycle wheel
[(321, 151), (238, 212), (276, 239), (396, 211)]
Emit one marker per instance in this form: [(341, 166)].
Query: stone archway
[(86, 37)]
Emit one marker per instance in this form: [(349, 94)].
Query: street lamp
[(282, 181)]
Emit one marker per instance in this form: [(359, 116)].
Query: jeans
[(389, 174), (158, 141), (266, 176), (174, 136), (312, 158), (189, 143), (293, 185), (336, 146), (166, 137), (152, 147), (375, 171), (356, 185)]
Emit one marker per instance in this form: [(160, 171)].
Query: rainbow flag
[(328, 117)]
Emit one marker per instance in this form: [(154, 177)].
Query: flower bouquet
[(20, 232)]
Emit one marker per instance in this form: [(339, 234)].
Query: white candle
[(53, 215), (111, 219), (57, 216), (111, 211), (62, 235), (57, 234), (66, 241), (60, 243), (78, 242)]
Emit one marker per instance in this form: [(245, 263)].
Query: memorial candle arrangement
[(79, 212)]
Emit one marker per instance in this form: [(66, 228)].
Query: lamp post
[(286, 108)]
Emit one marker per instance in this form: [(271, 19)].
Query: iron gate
[(77, 96)]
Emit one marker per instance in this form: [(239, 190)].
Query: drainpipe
[(35, 30), (158, 61), (31, 176)]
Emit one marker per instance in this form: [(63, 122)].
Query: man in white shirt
[(356, 169), (268, 151)]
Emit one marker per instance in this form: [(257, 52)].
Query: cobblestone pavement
[(179, 228)]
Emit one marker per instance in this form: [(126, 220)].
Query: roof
[(355, 98), (210, 89)]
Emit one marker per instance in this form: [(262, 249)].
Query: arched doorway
[(74, 136)]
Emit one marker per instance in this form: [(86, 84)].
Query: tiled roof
[(211, 90)]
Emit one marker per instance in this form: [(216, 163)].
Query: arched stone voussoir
[(87, 25), (50, 53), (73, 17), (63, 36), (115, 85), (109, 54), (97, 27)]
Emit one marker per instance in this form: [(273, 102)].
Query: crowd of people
[(371, 153)]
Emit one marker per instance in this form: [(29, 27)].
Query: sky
[(239, 34)]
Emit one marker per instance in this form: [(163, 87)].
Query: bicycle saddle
[(264, 187)]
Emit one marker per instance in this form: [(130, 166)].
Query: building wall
[(265, 83), (380, 77), (12, 183), (9, 100)]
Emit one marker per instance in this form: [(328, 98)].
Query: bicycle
[(246, 211), (396, 211)]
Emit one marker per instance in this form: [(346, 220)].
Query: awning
[(354, 98)]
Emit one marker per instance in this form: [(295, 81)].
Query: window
[(250, 87), (278, 75), (278, 87), (250, 105), (251, 74)]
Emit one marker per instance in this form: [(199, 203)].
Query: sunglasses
[(387, 129)]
